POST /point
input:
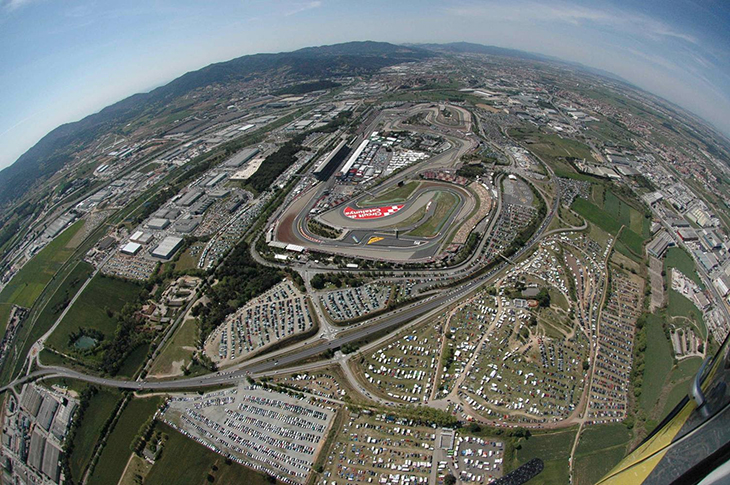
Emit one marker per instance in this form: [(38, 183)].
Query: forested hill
[(54, 150)]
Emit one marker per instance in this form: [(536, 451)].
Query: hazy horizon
[(66, 61)]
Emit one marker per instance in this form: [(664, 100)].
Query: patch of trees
[(69, 443), (448, 357), (126, 338), (349, 348), (429, 416), (143, 436), (637, 372), (9, 231), (276, 163), (472, 171), (543, 298), (319, 281), (644, 183), (240, 278)]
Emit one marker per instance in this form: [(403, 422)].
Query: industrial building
[(106, 243), (189, 198), (687, 234), (166, 249), (55, 228), (157, 223), (186, 226), (219, 193), (141, 237), (658, 246), (241, 157), (215, 180), (131, 248)]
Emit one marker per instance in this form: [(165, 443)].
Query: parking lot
[(268, 431), (351, 303), (612, 368), (380, 449), (279, 313)]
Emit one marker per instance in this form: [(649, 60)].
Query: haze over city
[(64, 60)]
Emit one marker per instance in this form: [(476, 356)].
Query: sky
[(63, 60)]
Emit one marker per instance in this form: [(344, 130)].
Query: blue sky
[(62, 60)]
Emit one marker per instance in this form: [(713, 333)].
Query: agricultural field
[(101, 406), (116, 453), (57, 303), (555, 151), (679, 379), (553, 449), (134, 361), (658, 363), (608, 222), (600, 448), (184, 460), (28, 283)]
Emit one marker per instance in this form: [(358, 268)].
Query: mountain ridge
[(56, 148)]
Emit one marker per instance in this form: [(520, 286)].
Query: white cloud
[(576, 15), (302, 7), (11, 5)]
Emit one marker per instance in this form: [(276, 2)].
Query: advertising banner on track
[(372, 212)]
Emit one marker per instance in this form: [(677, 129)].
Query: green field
[(680, 259), (551, 448), (134, 361), (114, 457), (100, 408), (554, 150), (679, 305), (446, 203), (177, 349), (186, 461), (600, 448), (28, 283), (187, 261), (394, 194), (679, 380), (610, 224), (90, 310), (658, 363)]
